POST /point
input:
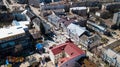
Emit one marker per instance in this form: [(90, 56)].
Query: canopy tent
[(7, 62), (39, 46)]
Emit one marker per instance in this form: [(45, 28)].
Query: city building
[(81, 21), (41, 26), (59, 12), (34, 3), (21, 1), (75, 32), (116, 0), (96, 27), (48, 1), (11, 33), (93, 9), (76, 29), (53, 6), (22, 24), (66, 54), (3, 8), (116, 18), (22, 19), (111, 54), (112, 7), (53, 19), (36, 22), (9, 17), (11, 37), (79, 10), (13, 6), (16, 36), (103, 14), (91, 41), (65, 21), (45, 1), (30, 15), (63, 33), (63, 24), (108, 22)]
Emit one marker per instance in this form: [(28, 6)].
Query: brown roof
[(84, 37), (108, 22), (88, 63), (66, 22)]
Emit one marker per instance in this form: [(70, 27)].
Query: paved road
[(37, 12)]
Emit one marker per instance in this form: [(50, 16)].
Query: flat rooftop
[(114, 46), (11, 31)]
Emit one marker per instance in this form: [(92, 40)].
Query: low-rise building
[(11, 33), (11, 37), (107, 23), (75, 19), (30, 15), (36, 22), (103, 14), (111, 54), (112, 7), (90, 42), (66, 54), (12, 5), (22, 19), (111, 57), (41, 26), (3, 8), (54, 19), (16, 35), (63, 24), (75, 32), (34, 3), (22, 1), (69, 55), (96, 27), (79, 10), (53, 6)]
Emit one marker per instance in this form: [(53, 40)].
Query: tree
[(104, 40)]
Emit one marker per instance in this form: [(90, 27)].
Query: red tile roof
[(58, 49), (72, 50), (69, 48)]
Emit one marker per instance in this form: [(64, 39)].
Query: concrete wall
[(52, 57), (111, 60), (71, 63), (55, 58), (47, 28)]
